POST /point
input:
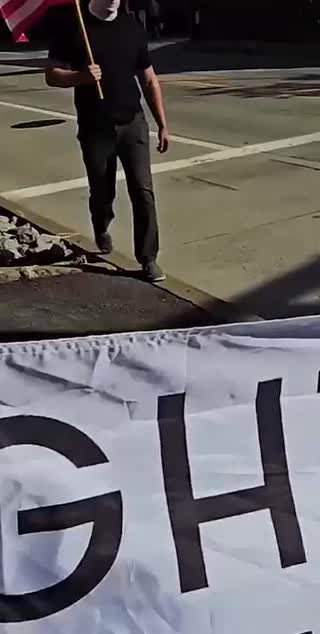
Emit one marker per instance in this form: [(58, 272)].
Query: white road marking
[(49, 188), (72, 117), (170, 166), (248, 71), (11, 56), (5, 68), (154, 46), (187, 141), (49, 113)]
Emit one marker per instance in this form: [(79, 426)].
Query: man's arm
[(58, 76), (152, 93)]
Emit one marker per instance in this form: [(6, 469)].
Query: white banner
[(162, 483)]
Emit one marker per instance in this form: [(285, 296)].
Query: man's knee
[(143, 200), (140, 185), (101, 192)]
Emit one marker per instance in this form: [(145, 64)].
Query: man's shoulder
[(128, 22)]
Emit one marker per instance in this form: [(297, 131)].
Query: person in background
[(115, 127), (155, 18)]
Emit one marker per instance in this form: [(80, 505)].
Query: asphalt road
[(87, 303), (238, 193)]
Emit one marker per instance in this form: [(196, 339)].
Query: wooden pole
[(87, 44)]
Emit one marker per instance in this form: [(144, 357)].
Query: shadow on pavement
[(83, 304), (294, 294), (44, 123), (194, 56), (107, 302)]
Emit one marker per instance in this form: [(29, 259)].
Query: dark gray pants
[(100, 149)]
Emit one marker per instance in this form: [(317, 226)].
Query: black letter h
[(187, 513)]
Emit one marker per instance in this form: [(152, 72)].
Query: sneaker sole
[(156, 280), (105, 251)]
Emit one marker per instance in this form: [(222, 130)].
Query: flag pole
[(87, 44)]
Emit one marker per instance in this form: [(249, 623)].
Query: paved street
[(238, 193)]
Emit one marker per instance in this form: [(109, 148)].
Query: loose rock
[(19, 240), (27, 234), (9, 249)]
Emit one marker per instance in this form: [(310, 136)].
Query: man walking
[(116, 126)]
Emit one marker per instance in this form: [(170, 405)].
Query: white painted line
[(197, 142), (8, 56), (45, 190), (154, 46), (248, 71), (171, 166), (5, 68), (79, 183), (49, 113), (72, 117)]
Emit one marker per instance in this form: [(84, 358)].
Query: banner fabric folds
[(162, 483)]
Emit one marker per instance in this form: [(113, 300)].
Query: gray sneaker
[(153, 273)]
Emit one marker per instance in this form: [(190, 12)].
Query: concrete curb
[(222, 311)]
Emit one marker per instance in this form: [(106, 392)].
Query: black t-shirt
[(120, 48)]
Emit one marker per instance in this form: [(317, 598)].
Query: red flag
[(21, 15)]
